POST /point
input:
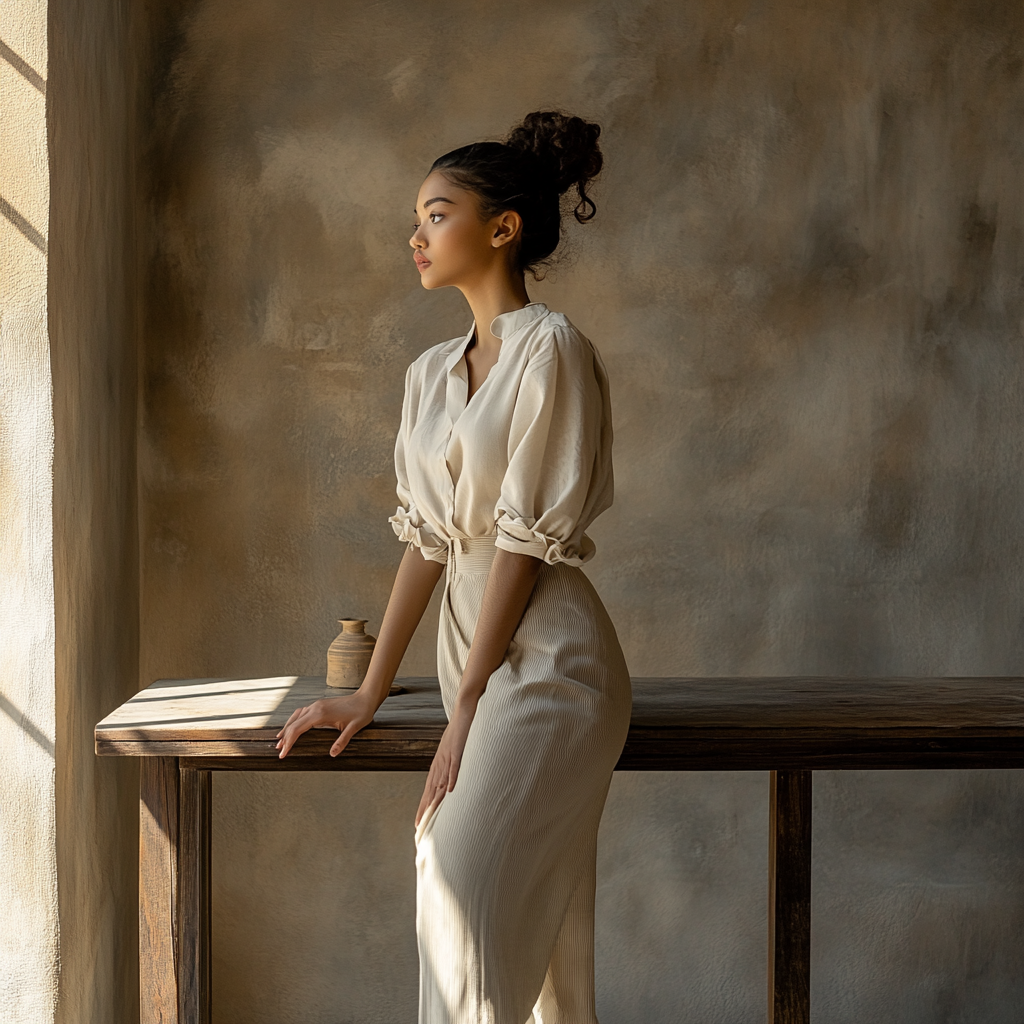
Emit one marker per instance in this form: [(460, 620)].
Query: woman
[(503, 460)]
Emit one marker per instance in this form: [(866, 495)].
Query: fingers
[(348, 730), (287, 741), (291, 718), (424, 800), (433, 794), (298, 722), (453, 773), (342, 741), (440, 780), (294, 716), (321, 713), (429, 789)]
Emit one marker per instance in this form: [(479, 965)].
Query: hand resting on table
[(348, 714)]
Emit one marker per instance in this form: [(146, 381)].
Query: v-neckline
[(487, 376), (465, 396), (512, 321)]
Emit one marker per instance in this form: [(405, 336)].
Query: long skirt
[(506, 863)]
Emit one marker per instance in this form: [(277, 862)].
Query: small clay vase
[(348, 657)]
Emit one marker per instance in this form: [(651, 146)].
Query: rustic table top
[(737, 723)]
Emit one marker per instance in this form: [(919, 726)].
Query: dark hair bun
[(542, 158), (567, 149)]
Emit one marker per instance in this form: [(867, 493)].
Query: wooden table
[(184, 729)]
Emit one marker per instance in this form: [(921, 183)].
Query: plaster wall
[(805, 278), (28, 870), (68, 536)]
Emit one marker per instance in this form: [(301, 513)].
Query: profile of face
[(453, 244)]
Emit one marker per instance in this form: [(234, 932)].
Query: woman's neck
[(490, 299)]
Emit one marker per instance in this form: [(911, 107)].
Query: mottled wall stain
[(805, 278)]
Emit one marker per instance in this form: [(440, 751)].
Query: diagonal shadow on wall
[(27, 725), (23, 225), (37, 81), (23, 67)]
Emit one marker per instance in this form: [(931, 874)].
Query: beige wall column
[(92, 312), (68, 563), (28, 870)]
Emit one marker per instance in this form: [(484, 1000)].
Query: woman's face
[(452, 244)]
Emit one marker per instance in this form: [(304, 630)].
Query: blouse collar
[(503, 326)]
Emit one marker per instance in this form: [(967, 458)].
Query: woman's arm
[(509, 586), (410, 595), (414, 583)]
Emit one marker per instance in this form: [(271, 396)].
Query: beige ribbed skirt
[(506, 864)]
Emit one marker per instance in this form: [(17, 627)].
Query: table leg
[(789, 898), (158, 890), (194, 897), (174, 893)]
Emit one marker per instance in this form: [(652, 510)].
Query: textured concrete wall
[(95, 50), (805, 277), (28, 871)]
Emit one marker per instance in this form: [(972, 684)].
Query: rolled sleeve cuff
[(519, 536), (409, 527)]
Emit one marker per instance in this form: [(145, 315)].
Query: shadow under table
[(184, 729)]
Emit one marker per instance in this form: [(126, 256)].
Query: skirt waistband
[(471, 556)]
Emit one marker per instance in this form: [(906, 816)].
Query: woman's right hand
[(347, 714)]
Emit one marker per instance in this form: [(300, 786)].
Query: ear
[(506, 228)]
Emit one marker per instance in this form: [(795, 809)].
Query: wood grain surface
[(789, 897), (159, 957), (194, 819), (678, 724)]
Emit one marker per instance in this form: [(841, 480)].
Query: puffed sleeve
[(559, 476), (407, 522)]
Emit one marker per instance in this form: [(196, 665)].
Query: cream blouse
[(527, 460)]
